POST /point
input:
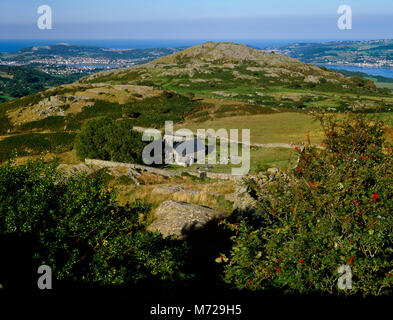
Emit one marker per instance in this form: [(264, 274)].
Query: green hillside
[(65, 50), (236, 72), (377, 52), (19, 81), (203, 83)]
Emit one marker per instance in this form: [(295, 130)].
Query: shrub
[(54, 123), (80, 229), (5, 124), (334, 209), (261, 167), (36, 143), (100, 108), (154, 111), (107, 139)]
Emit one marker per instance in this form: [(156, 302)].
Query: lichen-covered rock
[(174, 218), (272, 171), (167, 189), (175, 189), (243, 201), (70, 170)]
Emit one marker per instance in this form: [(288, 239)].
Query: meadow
[(285, 127)]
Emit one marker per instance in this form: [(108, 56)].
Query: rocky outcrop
[(243, 201), (134, 167), (162, 172), (311, 79), (51, 106), (133, 174), (174, 218), (70, 170), (174, 189), (178, 190)]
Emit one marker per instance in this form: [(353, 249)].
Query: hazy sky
[(196, 19)]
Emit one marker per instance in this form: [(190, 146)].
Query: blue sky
[(196, 19)]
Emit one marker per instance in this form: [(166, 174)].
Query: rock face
[(175, 218)]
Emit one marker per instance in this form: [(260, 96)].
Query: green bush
[(100, 108), (36, 143), (26, 80), (80, 229), (107, 139), (54, 123), (5, 124), (154, 111), (334, 209), (261, 167)]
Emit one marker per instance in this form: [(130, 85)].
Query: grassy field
[(287, 127), (273, 158), (384, 85), (260, 160)]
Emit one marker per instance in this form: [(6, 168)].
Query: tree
[(108, 139), (79, 228), (335, 209)]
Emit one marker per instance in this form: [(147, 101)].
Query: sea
[(384, 72), (15, 45)]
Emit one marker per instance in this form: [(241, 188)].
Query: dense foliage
[(100, 108), (154, 111), (80, 229), (52, 123), (335, 209), (35, 143), (107, 139), (19, 81)]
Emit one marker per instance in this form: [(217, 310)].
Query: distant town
[(65, 59), (363, 62), (366, 54), (64, 66)]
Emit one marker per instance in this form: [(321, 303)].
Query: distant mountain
[(64, 50), (377, 79), (377, 53), (230, 70), (34, 68), (200, 83)]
